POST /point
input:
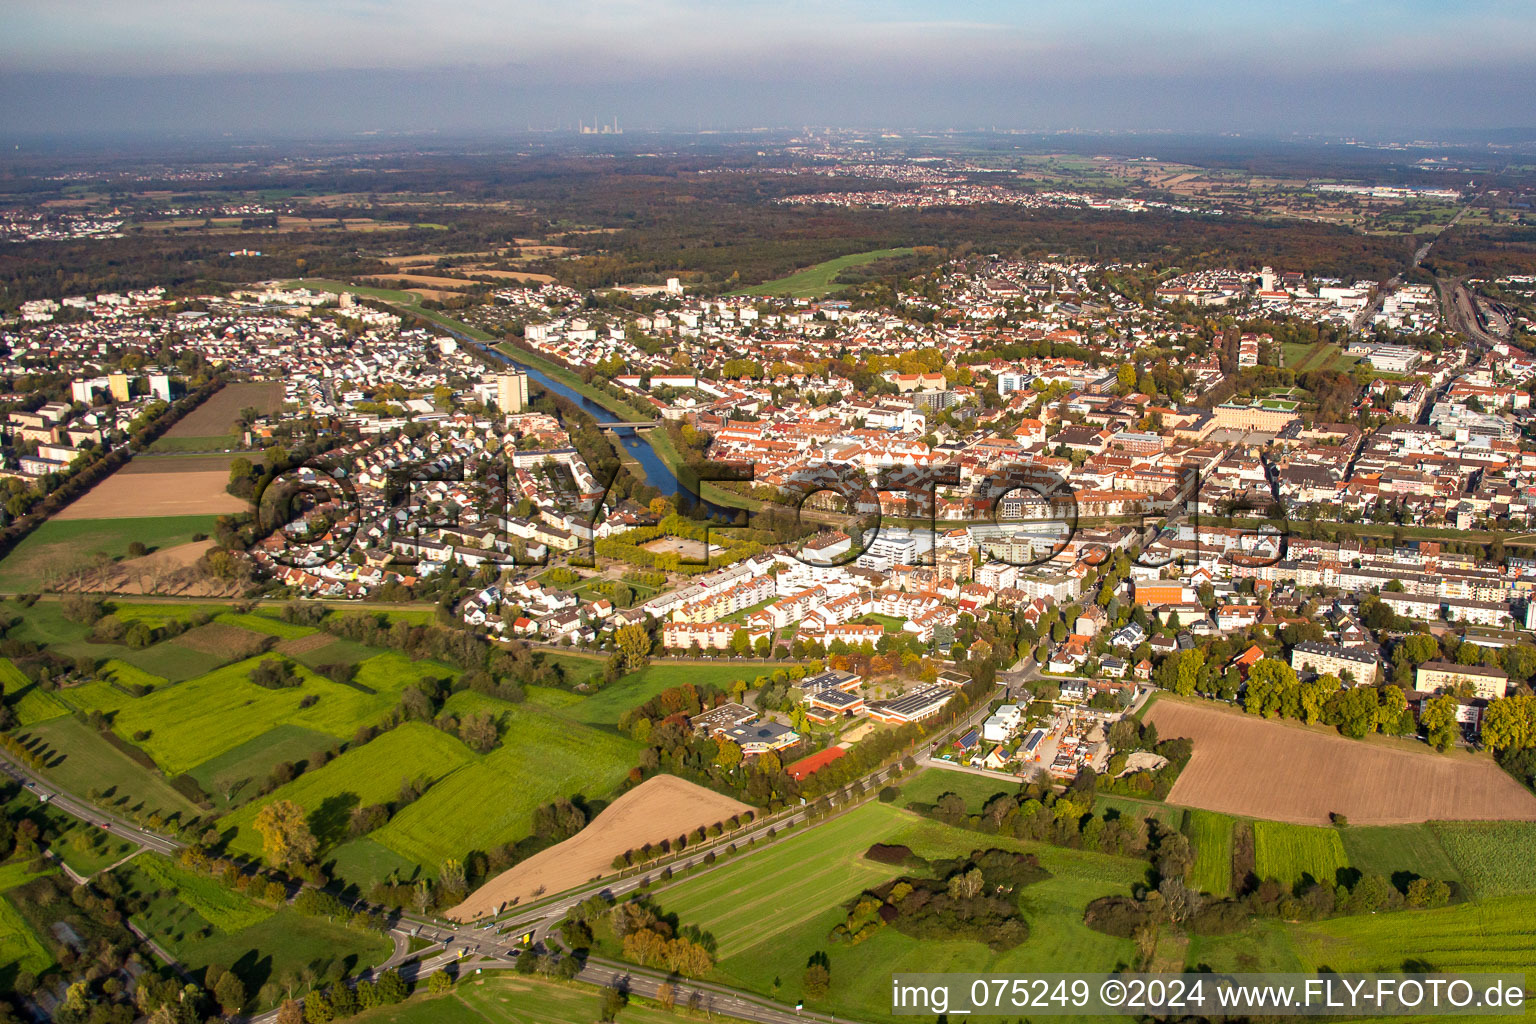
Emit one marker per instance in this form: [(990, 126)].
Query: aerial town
[(583, 573)]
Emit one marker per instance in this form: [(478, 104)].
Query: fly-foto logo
[(1025, 515)]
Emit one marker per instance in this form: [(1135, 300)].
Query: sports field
[(1286, 771), (1293, 854)]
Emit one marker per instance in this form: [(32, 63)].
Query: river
[(657, 473)]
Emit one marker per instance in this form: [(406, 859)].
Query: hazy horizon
[(165, 67)]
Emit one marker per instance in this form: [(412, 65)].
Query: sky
[(316, 67)]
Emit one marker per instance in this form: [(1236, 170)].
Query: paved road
[(104, 820)]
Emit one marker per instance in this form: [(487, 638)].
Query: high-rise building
[(512, 392), (160, 386), (118, 384)]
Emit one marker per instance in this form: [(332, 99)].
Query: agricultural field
[(799, 887), (80, 760), (816, 281), (491, 800), (1397, 851), (661, 807), (370, 774), (225, 778), (500, 997), (1494, 858), (217, 416), (1488, 935), (1293, 854), (176, 492), (59, 544), (28, 702), (222, 907), (1287, 771), (605, 706), (1211, 836), (202, 718)]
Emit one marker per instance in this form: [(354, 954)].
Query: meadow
[(1294, 853), (222, 907), (1494, 857), (770, 910), (28, 702), (491, 800), (80, 760), (499, 997), (928, 785), (1211, 836), (224, 778), (370, 774), (61, 542), (1396, 851), (20, 948), (817, 280), (202, 718)]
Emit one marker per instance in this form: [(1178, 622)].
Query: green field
[(1393, 850), (1211, 835), (769, 911), (28, 702), (1492, 935), (1291, 853), (258, 623), (337, 652), (226, 777), (1139, 811), (19, 873), (63, 542), (225, 909), (20, 948), (816, 281), (491, 800), (928, 785), (118, 671), (1495, 858), (368, 775), (606, 705), (208, 716), (499, 997), (82, 761)]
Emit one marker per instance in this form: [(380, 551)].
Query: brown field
[(1287, 771), (424, 280), (304, 644), (216, 417), (661, 807), (421, 259), (125, 495), (509, 275), (226, 641)]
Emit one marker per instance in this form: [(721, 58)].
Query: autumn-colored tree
[(285, 835), (729, 755), (634, 645)]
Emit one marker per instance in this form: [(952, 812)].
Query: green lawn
[(816, 281), (61, 542), (1292, 853), (1495, 858), (1211, 836), (769, 911), (81, 761), (928, 785), (491, 800), (1392, 850), (370, 774), (180, 445), (362, 862), (606, 705)]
